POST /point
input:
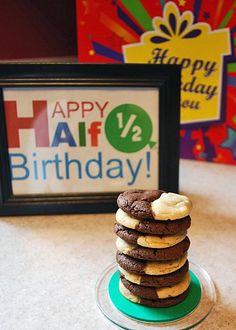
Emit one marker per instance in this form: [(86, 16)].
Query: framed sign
[(73, 136)]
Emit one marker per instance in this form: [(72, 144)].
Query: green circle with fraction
[(155, 314), (128, 128)]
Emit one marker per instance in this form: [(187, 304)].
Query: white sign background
[(133, 171)]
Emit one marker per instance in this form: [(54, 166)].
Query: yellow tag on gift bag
[(199, 50)]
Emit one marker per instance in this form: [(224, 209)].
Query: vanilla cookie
[(150, 241), (139, 252), (142, 267), (166, 302), (150, 226), (154, 204), (156, 280), (171, 206), (155, 293)]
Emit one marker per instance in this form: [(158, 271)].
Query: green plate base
[(150, 314)]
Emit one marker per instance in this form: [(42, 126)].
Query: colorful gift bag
[(199, 35)]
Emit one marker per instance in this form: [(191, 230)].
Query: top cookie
[(154, 204), (137, 202)]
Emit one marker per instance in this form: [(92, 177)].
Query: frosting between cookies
[(171, 206)]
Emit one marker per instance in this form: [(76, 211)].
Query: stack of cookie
[(152, 245)]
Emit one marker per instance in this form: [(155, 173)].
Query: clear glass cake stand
[(203, 309)]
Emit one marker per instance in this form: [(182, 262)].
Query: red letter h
[(39, 122)]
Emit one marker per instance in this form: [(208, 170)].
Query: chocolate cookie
[(156, 280), (150, 241), (157, 293), (137, 202), (154, 204), (144, 253), (154, 227), (142, 267), (167, 302), (149, 226)]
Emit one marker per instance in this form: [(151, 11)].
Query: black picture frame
[(164, 77)]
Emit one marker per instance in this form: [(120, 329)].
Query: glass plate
[(208, 297)]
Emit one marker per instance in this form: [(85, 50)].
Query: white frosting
[(164, 267), (125, 220), (171, 206)]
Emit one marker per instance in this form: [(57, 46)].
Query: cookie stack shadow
[(152, 252)]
